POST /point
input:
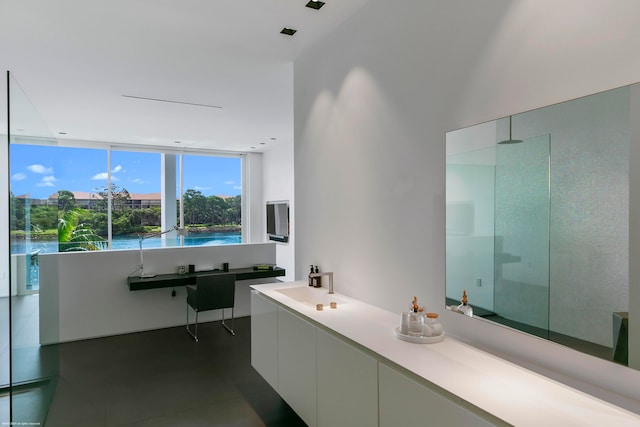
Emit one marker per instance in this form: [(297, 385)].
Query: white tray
[(418, 339)]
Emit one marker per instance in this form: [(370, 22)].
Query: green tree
[(66, 201), (235, 209), (120, 197), (195, 207), (76, 236), (216, 207), (17, 213), (44, 217)]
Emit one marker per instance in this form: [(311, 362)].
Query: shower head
[(510, 141)]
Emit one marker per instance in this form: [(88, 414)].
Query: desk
[(174, 279)]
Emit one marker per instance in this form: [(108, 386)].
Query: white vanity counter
[(511, 393)]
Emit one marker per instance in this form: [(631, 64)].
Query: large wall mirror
[(537, 221)]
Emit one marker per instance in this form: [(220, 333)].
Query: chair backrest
[(215, 291)]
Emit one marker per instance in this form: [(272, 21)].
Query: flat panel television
[(278, 221)]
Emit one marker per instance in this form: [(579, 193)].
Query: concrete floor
[(164, 378)]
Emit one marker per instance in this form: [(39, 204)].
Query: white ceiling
[(75, 59)]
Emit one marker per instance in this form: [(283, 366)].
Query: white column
[(168, 192), (254, 218)]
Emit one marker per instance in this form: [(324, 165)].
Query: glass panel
[(136, 199), (55, 199), (212, 200), (470, 227), (522, 235), (33, 367)]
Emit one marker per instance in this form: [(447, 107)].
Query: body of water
[(132, 242)]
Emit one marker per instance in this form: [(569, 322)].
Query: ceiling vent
[(288, 31), (315, 4)]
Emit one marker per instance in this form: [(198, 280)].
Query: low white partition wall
[(87, 292)]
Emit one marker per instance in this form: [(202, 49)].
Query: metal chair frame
[(191, 289)]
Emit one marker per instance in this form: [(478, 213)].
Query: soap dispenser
[(318, 280), (464, 308), (311, 279)]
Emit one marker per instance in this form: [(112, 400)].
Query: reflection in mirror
[(537, 228)]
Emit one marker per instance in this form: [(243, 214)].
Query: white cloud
[(18, 176), (39, 169), (199, 188), (116, 169), (137, 181), (237, 187), (229, 182), (47, 181), (100, 176)]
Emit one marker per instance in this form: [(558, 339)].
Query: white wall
[(373, 102), (85, 294), (278, 185)]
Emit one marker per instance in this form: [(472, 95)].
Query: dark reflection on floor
[(164, 378), (33, 369)]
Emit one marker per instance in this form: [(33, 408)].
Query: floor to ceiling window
[(212, 199), (76, 199)]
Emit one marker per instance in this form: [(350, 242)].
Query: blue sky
[(43, 170)]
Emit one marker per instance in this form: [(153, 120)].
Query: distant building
[(89, 200), (26, 198)]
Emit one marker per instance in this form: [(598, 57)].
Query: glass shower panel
[(470, 181), (522, 209), (33, 367)]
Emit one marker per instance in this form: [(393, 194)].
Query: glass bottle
[(431, 326), (311, 280), (464, 308)]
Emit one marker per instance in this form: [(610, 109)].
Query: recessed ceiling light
[(273, 139), (176, 142), (262, 143), (253, 148), (288, 31), (62, 133), (315, 4)]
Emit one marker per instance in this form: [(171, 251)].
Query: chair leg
[(194, 335), (225, 325)]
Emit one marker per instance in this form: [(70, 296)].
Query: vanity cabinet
[(330, 382), (347, 384), (264, 338), (345, 367), (297, 364), (405, 402)]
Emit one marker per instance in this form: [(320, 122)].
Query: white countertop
[(509, 392)]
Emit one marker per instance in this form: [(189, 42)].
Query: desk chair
[(211, 292)]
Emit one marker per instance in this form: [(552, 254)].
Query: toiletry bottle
[(318, 280), (464, 308), (415, 318), (311, 279), (431, 326)]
